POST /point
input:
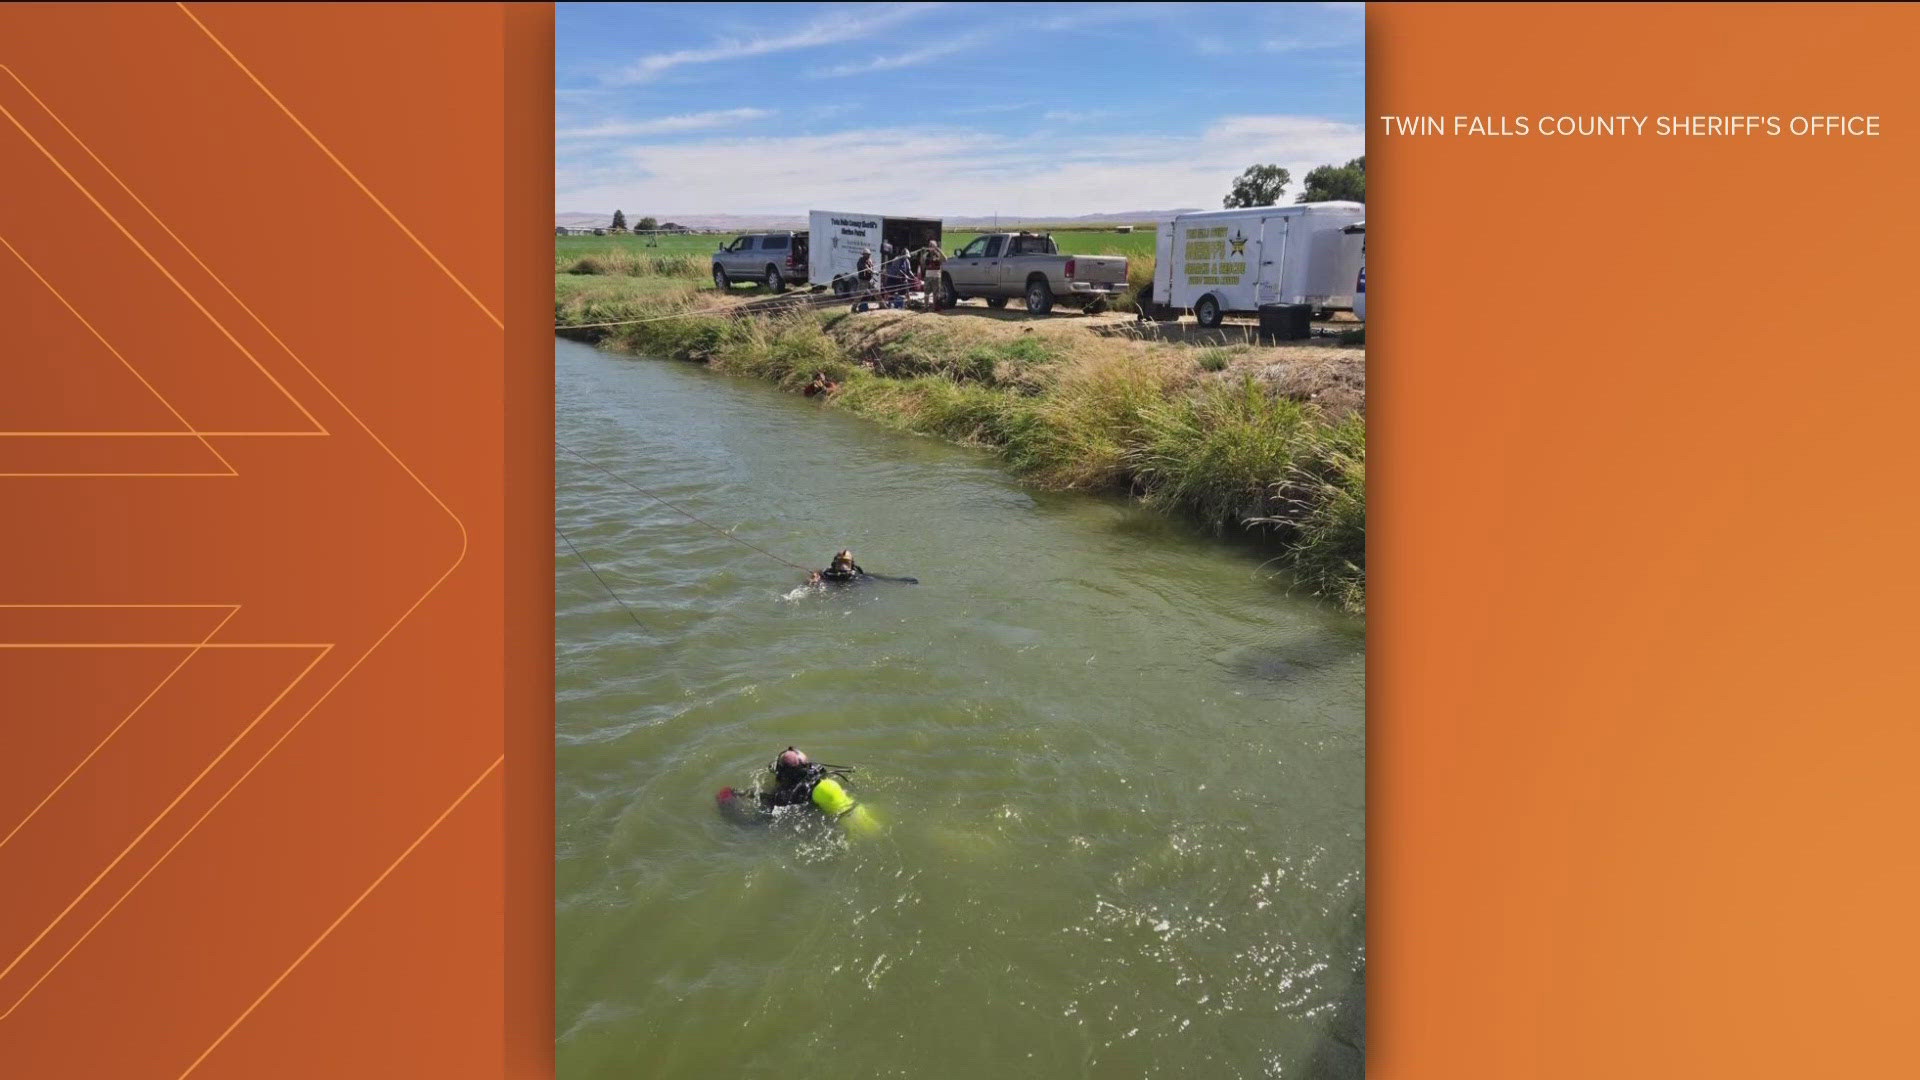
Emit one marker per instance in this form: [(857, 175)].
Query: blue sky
[(946, 109)]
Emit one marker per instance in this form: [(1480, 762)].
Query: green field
[(1078, 241), (568, 249)]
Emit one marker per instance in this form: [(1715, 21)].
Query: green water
[(1122, 772)]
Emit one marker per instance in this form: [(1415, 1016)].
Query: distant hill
[(748, 222)]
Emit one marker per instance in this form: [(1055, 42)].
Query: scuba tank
[(833, 800)]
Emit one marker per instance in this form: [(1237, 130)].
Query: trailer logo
[(1207, 260)]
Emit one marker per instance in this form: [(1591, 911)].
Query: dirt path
[(1319, 370), (1322, 369)]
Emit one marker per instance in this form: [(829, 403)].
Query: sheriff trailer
[(835, 241), (1221, 262)]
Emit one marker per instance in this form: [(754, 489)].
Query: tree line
[(645, 224), (1264, 185)]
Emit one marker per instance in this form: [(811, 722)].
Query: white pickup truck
[(1001, 266)]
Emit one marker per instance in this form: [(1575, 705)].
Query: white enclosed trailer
[(835, 240), (1217, 262), (1359, 230)]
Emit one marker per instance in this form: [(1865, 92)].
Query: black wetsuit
[(854, 576), (792, 787)]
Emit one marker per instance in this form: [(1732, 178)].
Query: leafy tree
[(1260, 185), (1330, 182), (646, 224), (619, 221)]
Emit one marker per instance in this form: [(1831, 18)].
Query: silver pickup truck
[(1001, 266)]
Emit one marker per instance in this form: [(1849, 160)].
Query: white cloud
[(1107, 15), (911, 58), (663, 125), (841, 26), (1303, 129), (979, 110), (957, 171), (1298, 45)]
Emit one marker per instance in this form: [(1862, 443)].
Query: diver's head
[(845, 558), (791, 765)]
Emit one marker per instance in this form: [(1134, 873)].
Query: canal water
[(1122, 772)]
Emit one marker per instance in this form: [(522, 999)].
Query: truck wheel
[(948, 298), (1096, 305), (841, 287), (1039, 296), (775, 283), (720, 279), (1206, 311), (996, 301)]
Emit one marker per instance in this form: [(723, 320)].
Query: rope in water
[(598, 578), (680, 510)]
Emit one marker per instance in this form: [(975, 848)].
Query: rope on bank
[(792, 305), (690, 515), (598, 578)]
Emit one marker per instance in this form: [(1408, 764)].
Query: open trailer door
[(834, 243)]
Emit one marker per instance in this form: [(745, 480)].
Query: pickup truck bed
[(1002, 266)]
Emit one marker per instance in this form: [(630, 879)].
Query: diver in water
[(844, 571), (840, 571), (794, 777), (801, 781)]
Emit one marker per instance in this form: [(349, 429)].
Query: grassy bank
[(1264, 440)]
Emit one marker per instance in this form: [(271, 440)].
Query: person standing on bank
[(931, 260)]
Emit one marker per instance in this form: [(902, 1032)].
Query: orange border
[(529, 950), (354, 824), (1639, 744)]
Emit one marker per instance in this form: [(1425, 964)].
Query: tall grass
[(1220, 450), (1323, 516), (586, 300), (1087, 430), (788, 349), (1325, 510), (635, 264), (1139, 279)]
